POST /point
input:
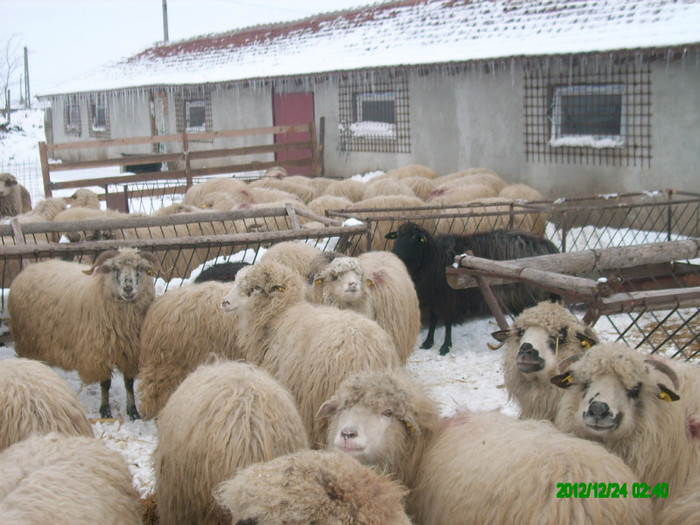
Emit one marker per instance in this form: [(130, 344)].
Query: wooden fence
[(187, 173)]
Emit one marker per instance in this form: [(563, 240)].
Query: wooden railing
[(185, 157)]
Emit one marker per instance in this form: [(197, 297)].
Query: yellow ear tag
[(567, 378), (149, 271), (281, 288), (585, 344), (409, 427), (665, 397), (318, 281), (369, 282)]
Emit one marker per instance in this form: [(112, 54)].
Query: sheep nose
[(348, 434), (225, 304), (128, 288), (598, 409), (528, 349)]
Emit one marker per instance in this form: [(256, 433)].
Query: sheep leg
[(430, 339), (447, 343), (105, 411), (130, 400)]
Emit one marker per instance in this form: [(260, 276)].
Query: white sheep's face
[(364, 433), (608, 409), (344, 289), (128, 277), (537, 353)]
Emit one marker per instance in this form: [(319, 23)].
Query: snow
[(413, 33), (470, 375)]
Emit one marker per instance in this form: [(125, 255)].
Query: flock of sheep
[(282, 397)]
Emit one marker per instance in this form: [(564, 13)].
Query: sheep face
[(608, 390), (258, 286), (412, 245), (131, 273), (342, 282), (7, 182)]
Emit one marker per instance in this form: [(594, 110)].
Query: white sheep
[(348, 188), (322, 203), (309, 348), (388, 186), (300, 189), (455, 193), (616, 396), (44, 210), (538, 338), (683, 506), (475, 467), (181, 328), (476, 176), (520, 192), (294, 254), (84, 198), (196, 193), (422, 187), (377, 285), (54, 478), (223, 416), (14, 198), (312, 486), (411, 170), (172, 209), (319, 184), (35, 399), (85, 318)]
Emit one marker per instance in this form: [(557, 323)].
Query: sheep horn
[(153, 260), (100, 259), (665, 369), (565, 363)]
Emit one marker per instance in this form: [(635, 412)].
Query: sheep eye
[(633, 392), (387, 413), (334, 277), (520, 332)]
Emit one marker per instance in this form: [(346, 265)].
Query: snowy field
[(470, 375)]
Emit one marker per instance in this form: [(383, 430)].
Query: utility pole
[(165, 20), (27, 99)]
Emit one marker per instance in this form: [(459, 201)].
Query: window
[(99, 116), (195, 116), (193, 112), (374, 114), (588, 116), (592, 109), (71, 115)]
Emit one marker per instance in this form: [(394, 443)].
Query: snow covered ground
[(470, 375)]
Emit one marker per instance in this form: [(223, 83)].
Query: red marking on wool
[(693, 424), (379, 277)]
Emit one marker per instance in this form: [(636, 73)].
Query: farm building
[(571, 97)]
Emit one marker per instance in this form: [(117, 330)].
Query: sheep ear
[(501, 335), (411, 424), (564, 380), (585, 340), (666, 394), (328, 408), (391, 235)]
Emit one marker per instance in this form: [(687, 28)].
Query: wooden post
[(315, 160), (45, 175), (321, 143), (186, 151)]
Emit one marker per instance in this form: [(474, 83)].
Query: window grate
[(588, 110), (374, 113), (71, 115), (99, 117), (193, 110)]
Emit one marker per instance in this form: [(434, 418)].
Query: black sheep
[(224, 272), (426, 258)]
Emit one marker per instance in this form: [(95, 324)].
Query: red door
[(292, 108)]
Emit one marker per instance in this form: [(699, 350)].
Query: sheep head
[(541, 336), (412, 244), (609, 387), (132, 271), (342, 282), (262, 287), (377, 417), (7, 182)]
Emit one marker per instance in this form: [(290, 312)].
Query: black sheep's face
[(411, 245)]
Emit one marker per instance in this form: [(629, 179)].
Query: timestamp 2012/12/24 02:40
[(611, 490)]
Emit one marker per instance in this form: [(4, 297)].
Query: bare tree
[(10, 64)]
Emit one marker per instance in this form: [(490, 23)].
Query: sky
[(67, 37)]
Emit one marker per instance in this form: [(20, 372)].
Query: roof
[(407, 33)]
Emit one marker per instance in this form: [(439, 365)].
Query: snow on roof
[(405, 33)]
